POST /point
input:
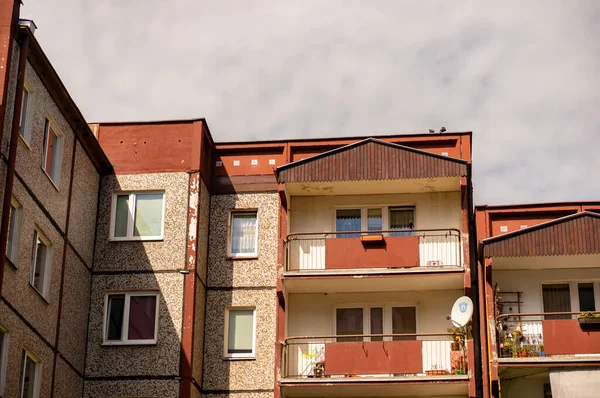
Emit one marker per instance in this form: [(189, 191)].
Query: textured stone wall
[(132, 388)]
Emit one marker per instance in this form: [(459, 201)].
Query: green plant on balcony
[(542, 353), (589, 318), (457, 337), (589, 315)]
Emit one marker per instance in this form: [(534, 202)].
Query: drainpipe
[(12, 156)]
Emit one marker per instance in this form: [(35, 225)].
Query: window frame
[(37, 373), (26, 129), (125, 329), (131, 216), (4, 358), (573, 293), (385, 215), (47, 274), (230, 216), (15, 215), (239, 356), (60, 140)]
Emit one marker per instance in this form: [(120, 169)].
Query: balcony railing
[(546, 334), (373, 355), (321, 251)]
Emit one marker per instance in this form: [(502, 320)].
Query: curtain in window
[(557, 298), (349, 321), (121, 216), (348, 221), (142, 312), (243, 233), (374, 220), (404, 320), (240, 331), (148, 214), (401, 220)]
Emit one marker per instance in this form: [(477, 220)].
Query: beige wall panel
[(224, 272), (29, 158), (159, 359), (84, 203), (23, 337), (132, 388), (67, 383), (257, 374), (41, 313), (74, 315), (432, 210), (168, 253)]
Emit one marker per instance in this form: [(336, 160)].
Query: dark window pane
[(142, 313), (116, 306), (586, 297), (377, 323), (39, 264), (557, 299), (347, 221), (27, 376), (121, 216), (404, 320), (349, 321), (401, 220)]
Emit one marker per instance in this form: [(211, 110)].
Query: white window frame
[(230, 233), (47, 274), (385, 214), (26, 136), (15, 214), (4, 359), (131, 216), (60, 140), (228, 355), (387, 316), (573, 293), (37, 376), (125, 329)]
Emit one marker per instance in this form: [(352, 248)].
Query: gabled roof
[(577, 233), (371, 159)]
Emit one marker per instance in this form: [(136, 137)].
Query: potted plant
[(459, 366), (541, 348), (522, 353), (589, 318), (457, 338)]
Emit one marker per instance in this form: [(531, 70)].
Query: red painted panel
[(565, 336), (373, 357), (393, 252)]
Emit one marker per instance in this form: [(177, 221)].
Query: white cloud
[(522, 75)]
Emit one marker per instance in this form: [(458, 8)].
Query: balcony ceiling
[(371, 160), (546, 262)]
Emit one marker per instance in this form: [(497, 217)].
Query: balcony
[(367, 364), (373, 251), (525, 338)]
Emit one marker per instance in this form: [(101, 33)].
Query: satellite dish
[(462, 310)]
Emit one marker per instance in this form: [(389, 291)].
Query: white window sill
[(51, 180), (242, 257), (138, 239), (128, 343), (24, 142), (245, 358)]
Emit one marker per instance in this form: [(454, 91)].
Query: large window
[(243, 237), (52, 152), (26, 113), (30, 374), (137, 216), (14, 229), (131, 318), (41, 258), (4, 339), (240, 332), (374, 219), (349, 321), (579, 296), (375, 319)]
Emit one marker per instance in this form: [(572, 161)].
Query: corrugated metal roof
[(371, 159), (574, 234)]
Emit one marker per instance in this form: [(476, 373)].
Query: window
[(137, 216), (14, 228), (349, 321), (374, 219), (52, 155), (243, 241), (348, 220), (131, 318), (375, 319), (26, 112), (240, 332), (586, 297), (404, 320), (30, 372), (40, 263), (402, 219), (4, 338), (557, 298)]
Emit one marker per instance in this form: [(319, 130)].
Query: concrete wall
[(432, 210), (530, 387)]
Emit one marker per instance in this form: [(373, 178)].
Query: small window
[(137, 216), (29, 380), (404, 321), (131, 318), (52, 155), (374, 219), (349, 321), (586, 297), (243, 239), (14, 229), (4, 338), (240, 332), (557, 298), (26, 112), (40, 263), (348, 220), (402, 219)]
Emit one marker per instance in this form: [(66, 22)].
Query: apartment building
[(541, 270)]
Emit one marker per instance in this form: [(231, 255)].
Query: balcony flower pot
[(460, 372), (589, 321), (455, 346)]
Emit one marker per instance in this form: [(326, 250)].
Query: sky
[(524, 76)]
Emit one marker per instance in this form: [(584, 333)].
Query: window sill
[(242, 257), (24, 142), (127, 343), (138, 239), (248, 358), (9, 261), (51, 180), (39, 294)]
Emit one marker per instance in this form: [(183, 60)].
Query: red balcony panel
[(392, 252), (358, 358), (565, 336)]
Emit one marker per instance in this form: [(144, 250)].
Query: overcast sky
[(524, 76)]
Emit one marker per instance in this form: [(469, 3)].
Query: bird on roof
[(442, 129), (431, 130)]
